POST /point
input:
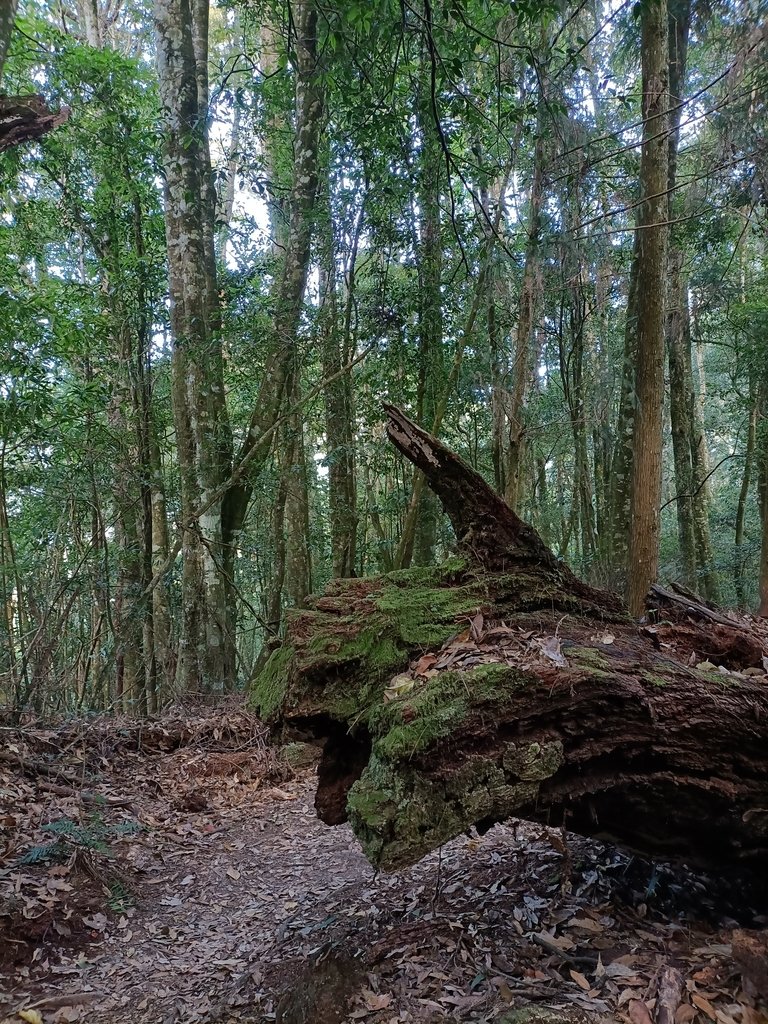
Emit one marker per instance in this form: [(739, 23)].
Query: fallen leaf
[(505, 992), (550, 648), (638, 1012), (376, 1000), (476, 628), (684, 1014), (580, 980), (399, 686), (98, 922), (31, 1016), (586, 924), (704, 1005), (424, 664)]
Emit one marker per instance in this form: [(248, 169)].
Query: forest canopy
[(230, 232)]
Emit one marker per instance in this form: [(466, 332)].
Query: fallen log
[(499, 684)]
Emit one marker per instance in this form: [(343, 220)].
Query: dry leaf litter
[(175, 871)]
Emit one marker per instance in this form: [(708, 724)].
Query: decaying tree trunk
[(499, 684)]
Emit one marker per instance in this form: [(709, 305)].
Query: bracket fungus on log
[(499, 684)]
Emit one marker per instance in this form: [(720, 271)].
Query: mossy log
[(498, 684)]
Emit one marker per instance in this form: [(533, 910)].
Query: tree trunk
[(622, 461), (710, 584), (298, 561), (681, 410), (292, 282), (678, 314), (522, 355), (645, 497), (207, 644), (762, 447), (337, 348), (7, 18), (431, 360), (741, 509), (499, 684)]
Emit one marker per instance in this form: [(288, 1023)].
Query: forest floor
[(176, 872)]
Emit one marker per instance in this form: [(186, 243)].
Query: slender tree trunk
[(623, 453), (12, 595), (681, 410), (161, 611), (298, 565), (677, 326), (645, 496), (292, 283), (130, 584), (762, 447), (207, 644), (705, 558), (741, 508), (225, 208), (90, 20), (431, 360), (337, 348), (7, 18), (522, 356)]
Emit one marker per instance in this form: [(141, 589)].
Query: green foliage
[(448, 108), (93, 834)]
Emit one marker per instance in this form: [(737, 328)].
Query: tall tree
[(207, 643), (279, 382), (651, 271)]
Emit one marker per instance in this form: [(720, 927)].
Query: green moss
[(338, 661), (425, 615), (654, 680), (269, 687), (590, 659), (441, 575), (438, 707), (398, 816)]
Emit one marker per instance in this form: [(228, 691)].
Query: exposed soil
[(234, 903)]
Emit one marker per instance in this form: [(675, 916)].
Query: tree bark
[(292, 282), (338, 345), (762, 447), (645, 498), (207, 645), (678, 313), (710, 583), (522, 355), (622, 461), (741, 507), (681, 410), (431, 359), (7, 18)]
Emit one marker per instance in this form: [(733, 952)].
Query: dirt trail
[(239, 891)]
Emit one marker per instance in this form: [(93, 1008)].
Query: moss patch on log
[(338, 657), (271, 684), (395, 814), (398, 816), (434, 709)]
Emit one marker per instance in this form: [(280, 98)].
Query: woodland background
[(522, 222)]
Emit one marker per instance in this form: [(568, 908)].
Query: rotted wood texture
[(499, 684)]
